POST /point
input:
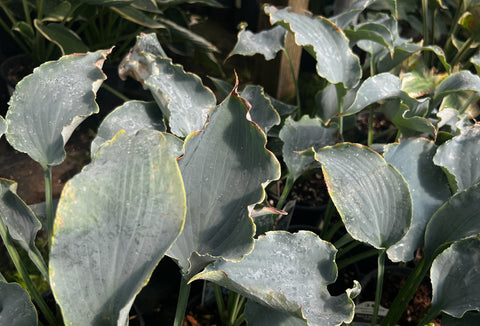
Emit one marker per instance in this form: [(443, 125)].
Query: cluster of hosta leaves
[(182, 177)]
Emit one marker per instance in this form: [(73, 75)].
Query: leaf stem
[(340, 96), (286, 191), (115, 92), (328, 218), (378, 293), (351, 260), (220, 304), (183, 295), (47, 172), (17, 261)]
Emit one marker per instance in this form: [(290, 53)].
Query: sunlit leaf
[(371, 196), (457, 82), (459, 157), (267, 43), (115, 221), (224, 167), (48, 105), (413, 158), (455, 276), (335, 60), (3, 126), (290, 273)]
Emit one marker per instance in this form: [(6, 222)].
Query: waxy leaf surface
[(267, 43), (262, 111), (130, 116), (335, 60), (454, 220), (20, 221), (223, 168), (290, 273), (458, 82), (345, 18), (115, 221), (413, 158), (300, 135), (3, 126), (48, 105), (181, 96), (455, 276), (260, 315), (16, 309), (459, 156), (374, 89), (371, 196)]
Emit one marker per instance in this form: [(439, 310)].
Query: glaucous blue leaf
[(371, 196), (290, 273), (468, 319), (16, 308), (260, 315), (413, 158), (459, 157), (262, 111), (267, 43), (223, 168), (49, 104), (3, 126), (115, 220), (335, 60), (455, 276), (345, 18), (458, 82)]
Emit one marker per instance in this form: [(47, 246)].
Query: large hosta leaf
[(376, 88), (115, 220), (455, 220), (131, 117), (21, 223), (468, 319), (459, 82), (455, 276), (335, 60), (459, 157), (342, 20), (371, 196), (301, 135), (267, 43), (260, 315), (290, 273), (223, 168), (48, 105), (16, 309), (428, 185)]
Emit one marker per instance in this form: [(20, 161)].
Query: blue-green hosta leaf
[(260, 315), (115, 221), (376, 88), (458, 82), (16, 309), (290, 273), (48, 105), (455, 276), (3, 126), (20, 221), (223, 168), (267, 43), (372, 37), (371, 196), (468, 319), (183, 99), (66, 39), (335, 60), (455, 220), (406, 120), (459, 157), (282, 108), (131, 117), (301, 135), (327, 101), (475, 60), (345, 18), (262, 112), (222, 88), (413, 158)]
